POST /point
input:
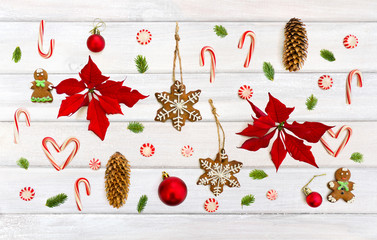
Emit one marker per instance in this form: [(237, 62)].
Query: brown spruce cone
[(295, 45), (117, 180)]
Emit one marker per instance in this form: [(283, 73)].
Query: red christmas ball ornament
[(172, 190), (95, 42), (313, 199)]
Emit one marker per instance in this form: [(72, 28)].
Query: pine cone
[(117, 180), (295, 45)]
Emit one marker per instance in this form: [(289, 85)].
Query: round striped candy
[(27, 194), (211, 205), (325, 82), (245, 92), (147, 150), (144, 37), (272, 195), (187, 151), (94, 164), (350, 41)]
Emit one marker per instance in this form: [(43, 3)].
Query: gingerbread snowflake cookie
[(42, 88), (342, 187)]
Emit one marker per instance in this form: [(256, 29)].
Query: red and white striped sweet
[(336, 135), (144, 37), (250, 34), (94, 164), (349, 81), (40, 42), (325, 82), (17, 119), (77, 191), (59, 149), (272, 195), (350, 41), (27, 193), (187, 151), (213, 61), (245, 92), (211, 205), (147, 150)]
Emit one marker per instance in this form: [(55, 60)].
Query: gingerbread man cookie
[(341, 188), (42, 88)]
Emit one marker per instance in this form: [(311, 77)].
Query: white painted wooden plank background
[(287, 218)]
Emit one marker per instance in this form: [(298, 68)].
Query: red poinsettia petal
[(277, 110), (298, 150), (109, 105), (109, 88), (256, 110), (278, 152), (254, 144), (253, 131), (71, 104), (98, 120), (264, 122), (91, 74), (309, 131), (70, 86), (129, 97)]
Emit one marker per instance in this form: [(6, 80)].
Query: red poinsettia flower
[(274, 120), (101, 95)]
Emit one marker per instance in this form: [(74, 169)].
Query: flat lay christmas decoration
[(77, 191), (117, 180), (220, 31), (357, 157), (40, 42), (178, 105), (258, 174), (27, 193), (172, 190), (211, 52), (16, 57), (241, 42), (269, 71), (295, 45), (313, 199), (343, 144), (350, 41), (247, 200), (272, 195), (141, 64), (76, 147), (275, 119), (311, 102), (147, 150), (95, 42), (16, 128), (328, 55), (211, 205), (341, 187), (245, 92), (57, 200), (351, 74), (101, 95), (142, 203), (94, 164), (187, 151), (135, 127), (219, 172), (41, 87), (325, 82), (23, 163), (144, 37)]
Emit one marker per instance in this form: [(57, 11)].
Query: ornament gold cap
[(165, 175), (307, 191)]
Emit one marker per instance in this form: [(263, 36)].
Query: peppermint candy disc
[(27, 194), (147, 150), (245, 92), (350, 41), (325, 82), (272, 195), (187, 151), (94, 164), (211, 205), (144, 37)]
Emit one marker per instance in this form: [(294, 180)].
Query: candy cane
[(77, 191), (213, 61), (250, 34), (59, 149), (16, 120), (336, 135), (349, 80), (40, 42)]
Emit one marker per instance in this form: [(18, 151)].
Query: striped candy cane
[(336, 135), (40, 42), (17, 119), (77, 191), (59, 149), (213, 61), (349, 80), (250, 34)]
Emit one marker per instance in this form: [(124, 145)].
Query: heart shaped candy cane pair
[(336, 135), (59, 149)]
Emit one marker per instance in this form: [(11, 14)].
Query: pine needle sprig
[(357, 157), (56, 200), (328, 55), (16, 55), (141, 64), (269, 71), (311, 102), (257, 174), (135, 127), (23, 162), (220, 31), (247, 200), (142, 203)]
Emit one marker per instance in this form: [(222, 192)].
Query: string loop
[(218, 125), (302, 189), (99, 26), (176, 53)]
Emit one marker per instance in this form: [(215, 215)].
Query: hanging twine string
[(302, 189), (218, 125), (176, 53), (98, 26)]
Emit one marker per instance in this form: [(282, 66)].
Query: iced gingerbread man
[(42, 88), (341, 188)]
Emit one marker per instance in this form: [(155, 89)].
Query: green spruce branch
[(357, 157), (328, 55), (17, 55), (220, 31), (269, 71), (311, 102), (23, 162), (135, 127), (142, 203), (56, 200), (247, 200), (141, 64), (257, 174)]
